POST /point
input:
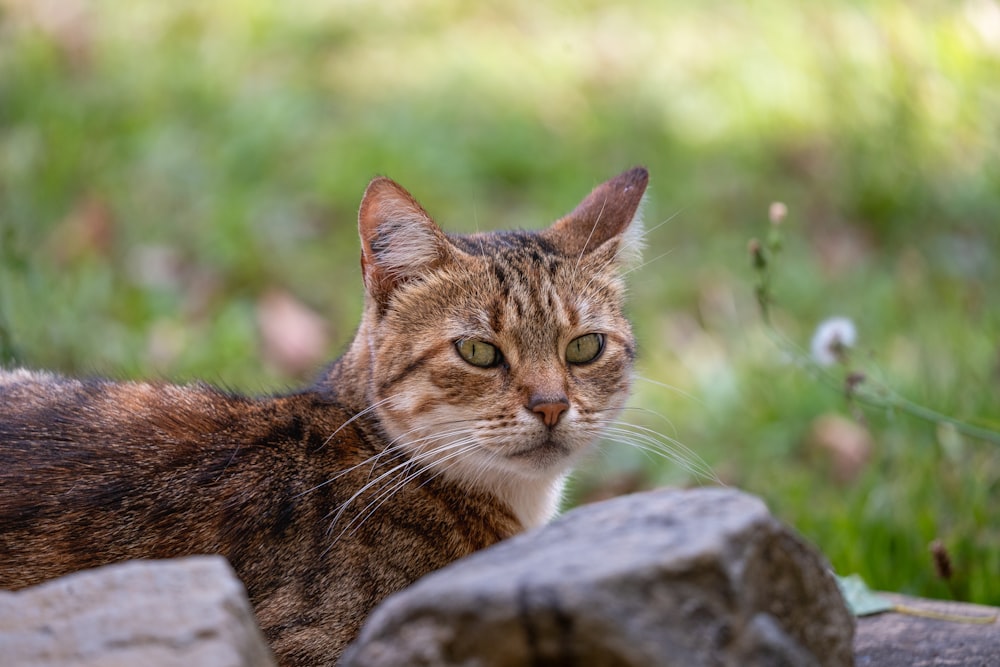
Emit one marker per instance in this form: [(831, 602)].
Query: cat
[(484, 366)]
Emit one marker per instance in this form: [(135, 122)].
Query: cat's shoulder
[(25, 384), (23, 377), (46, 408), (21, 386)]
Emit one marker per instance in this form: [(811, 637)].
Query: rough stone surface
[(901, 640), (189, 612), (679, 578)]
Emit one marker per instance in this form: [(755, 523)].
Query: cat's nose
[(549, 409)]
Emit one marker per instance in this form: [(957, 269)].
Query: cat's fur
[(402, 458)]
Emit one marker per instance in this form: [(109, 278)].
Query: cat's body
[(191, 470), (483, 367)]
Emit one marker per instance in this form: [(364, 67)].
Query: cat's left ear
[(607, 222), (399, 241)]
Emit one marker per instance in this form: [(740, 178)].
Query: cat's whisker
[(656, 434), (389, 490), (610, 262), (672, 447), (586, 244), (626, 247), (648, 262), (673, 388), (334, 478), (667, 447), (595, 419), (625, 272), (655, 442), (411, 459), (486, 456), (647, 451), (391, 487), (397, 449), (650, 449), (374, 459), (636, 408), (665, 221), (631, 247), (438, 464), (362, 413), (229, 462)]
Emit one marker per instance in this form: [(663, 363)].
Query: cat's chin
[(545, 454), (544, 459)]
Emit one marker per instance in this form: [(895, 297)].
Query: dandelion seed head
[(832, 338)]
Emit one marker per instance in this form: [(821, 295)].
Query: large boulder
[(189, 612), (679, 578)]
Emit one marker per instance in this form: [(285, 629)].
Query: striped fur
[(401, 458)]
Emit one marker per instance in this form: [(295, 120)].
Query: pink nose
[(549, 410)]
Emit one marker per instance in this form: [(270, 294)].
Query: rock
[(685, 578), (187, 613), (902, 640)]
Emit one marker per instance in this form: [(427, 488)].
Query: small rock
[(189, 612), (665, 578)]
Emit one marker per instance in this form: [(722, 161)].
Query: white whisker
[(647, 262), (370, 408), (664, 222), (439, 464), (390, 489), (676, 390), (390, 484), (593, 229), (374, 459), (652, 441), (410, 459)]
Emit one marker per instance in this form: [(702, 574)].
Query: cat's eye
[(478, 353), (585, 349)]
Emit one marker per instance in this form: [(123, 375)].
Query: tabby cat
[(484, 366)]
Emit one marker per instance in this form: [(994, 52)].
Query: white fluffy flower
[(832, 337)]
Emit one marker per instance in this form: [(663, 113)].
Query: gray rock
[(685, 578), (187, 612), (901, 640)]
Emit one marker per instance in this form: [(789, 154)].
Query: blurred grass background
[(179, 184)]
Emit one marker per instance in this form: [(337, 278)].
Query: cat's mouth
[(547, 450)]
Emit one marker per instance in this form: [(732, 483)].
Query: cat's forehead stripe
[(487, 245)]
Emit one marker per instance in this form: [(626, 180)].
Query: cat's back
[(50, 420), (94, 471)]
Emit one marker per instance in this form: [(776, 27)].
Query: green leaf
[(860, 599)]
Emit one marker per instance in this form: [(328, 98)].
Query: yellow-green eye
[(585, 349), (478, 353)]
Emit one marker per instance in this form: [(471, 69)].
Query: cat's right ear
[(399, 241), (607, 222)]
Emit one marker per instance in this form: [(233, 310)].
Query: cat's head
[(499, 357)]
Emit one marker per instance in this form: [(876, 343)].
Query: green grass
[(228, 144)]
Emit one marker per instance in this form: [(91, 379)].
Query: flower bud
[(757, 257), (777, 212)]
